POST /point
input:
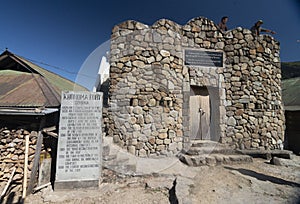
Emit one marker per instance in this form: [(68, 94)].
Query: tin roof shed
[(26, 85)]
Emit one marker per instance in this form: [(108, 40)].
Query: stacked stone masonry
[(150, 87)]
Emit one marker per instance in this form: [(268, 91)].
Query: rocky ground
[(257, 182)]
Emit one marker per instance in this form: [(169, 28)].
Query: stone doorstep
[(214, 159), (210, 150), (205, 143), (208, 144), (200, 147)]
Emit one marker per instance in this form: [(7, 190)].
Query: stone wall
[(146, 88), (251, 111), (150, 86), (253, 91)]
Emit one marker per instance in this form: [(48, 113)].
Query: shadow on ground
[(264, 177), (172, 194)]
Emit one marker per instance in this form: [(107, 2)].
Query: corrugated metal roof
[(28, 111), (58, 82), (24, 84)]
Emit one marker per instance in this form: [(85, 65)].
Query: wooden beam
[(49, 129), (36, 162), (52, 134), (25, 166)]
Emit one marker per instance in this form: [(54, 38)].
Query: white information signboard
[(79, 141)]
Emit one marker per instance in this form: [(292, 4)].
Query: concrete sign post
[(79, 141)]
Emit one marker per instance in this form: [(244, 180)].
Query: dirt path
[(249, 183), (257, 182)]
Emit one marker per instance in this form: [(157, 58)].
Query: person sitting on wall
[(222, 25), (257, 29)]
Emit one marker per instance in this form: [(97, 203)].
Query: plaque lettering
[(203, 58), (79, 137)]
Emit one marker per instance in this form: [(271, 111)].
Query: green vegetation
[(290, 69), (291, 91), (291, 84)]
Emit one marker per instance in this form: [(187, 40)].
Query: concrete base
[(69, 185)]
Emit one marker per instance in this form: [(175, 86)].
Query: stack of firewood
[(12, 148)]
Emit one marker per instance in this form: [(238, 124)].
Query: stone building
[(171, 85)]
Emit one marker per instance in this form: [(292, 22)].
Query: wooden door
[(199, 114)]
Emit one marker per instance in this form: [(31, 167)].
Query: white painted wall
[(103, 72)]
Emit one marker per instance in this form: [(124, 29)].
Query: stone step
[(214, 159), (205, 143), (200, 147), (210, 150)]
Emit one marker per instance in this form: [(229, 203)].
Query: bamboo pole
[(25, 166), (8, 183)]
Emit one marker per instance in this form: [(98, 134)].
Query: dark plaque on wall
[(203, 58)]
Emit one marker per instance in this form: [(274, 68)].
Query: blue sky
[(63, 33)]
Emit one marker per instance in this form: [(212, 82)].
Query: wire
[(58, 68), (52, 66)]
